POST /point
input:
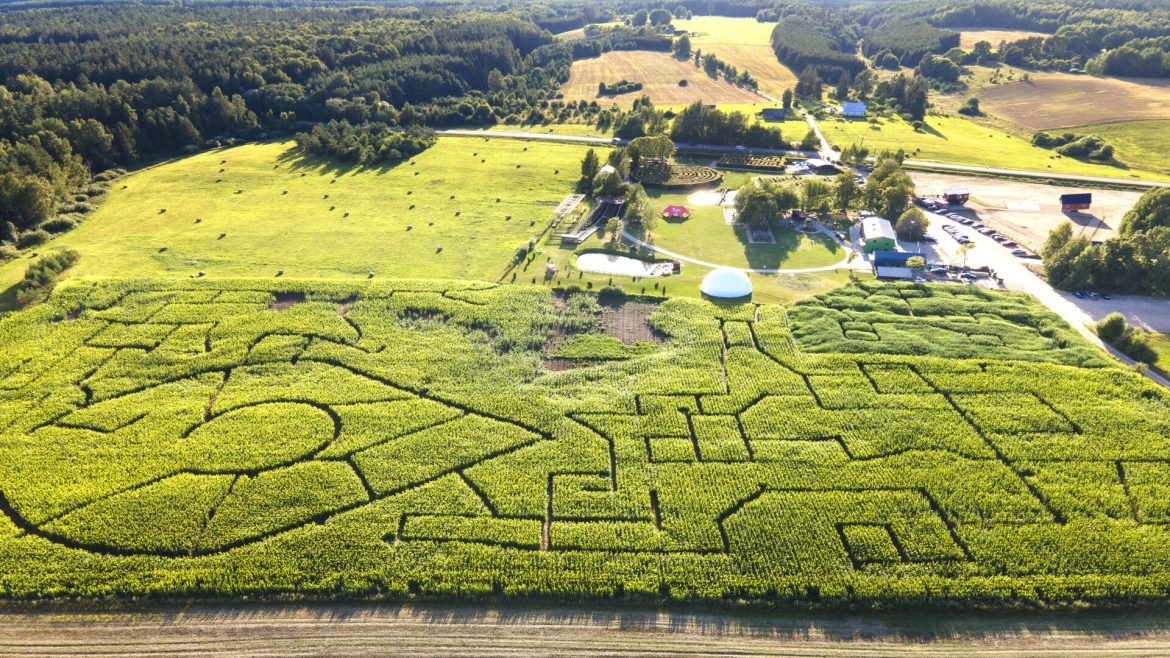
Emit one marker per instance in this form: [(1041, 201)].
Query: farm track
[(530, 631)]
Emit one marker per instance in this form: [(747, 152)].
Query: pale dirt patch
[(1006, 206), (1060, 100), (968, 36), (659, 74), (389, 629)]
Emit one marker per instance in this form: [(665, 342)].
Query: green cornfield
[(883, 444)]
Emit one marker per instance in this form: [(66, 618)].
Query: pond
[(622, 265)]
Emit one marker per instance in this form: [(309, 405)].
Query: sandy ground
[(471, 631), (1026, 212), (659, 74)]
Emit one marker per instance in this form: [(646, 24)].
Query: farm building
[(853, 110), (1076, 201), (892, 264), (821, 166), (774, 113), (878, 235), (957, 195)]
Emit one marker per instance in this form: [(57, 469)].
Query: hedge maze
[(403, 438)]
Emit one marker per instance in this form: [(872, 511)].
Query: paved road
[(1017, 277)]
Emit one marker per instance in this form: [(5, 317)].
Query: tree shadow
[(298, 162)]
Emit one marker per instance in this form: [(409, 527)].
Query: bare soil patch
[(285, 300), (380, 630), (659, 74), (1026, 212), (1061, 101), (628, 322)]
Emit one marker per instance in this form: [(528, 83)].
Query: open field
[(949, 441), (512, 630), (957, 140), (744, 43), (968, 37), (1049, 101), (658, 72), (1026, 212), (1139, 143), (268, 230)]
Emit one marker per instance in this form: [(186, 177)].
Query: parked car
[(1106, 296), (1010, 243), (930, 238), (938, 271), (967, 276), (977, 226), (1093, 295), (1079, 295), (740, 148), (967, 222), (998, 238), (1019, 252)]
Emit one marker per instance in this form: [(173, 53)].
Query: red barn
[(1075, 201), (957, 196)]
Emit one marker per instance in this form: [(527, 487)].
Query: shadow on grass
[(8, 299), (296, 161)]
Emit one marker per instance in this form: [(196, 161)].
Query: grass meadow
[(1137, 143), (306, 232), (959, 141)]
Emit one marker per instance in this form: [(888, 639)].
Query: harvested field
[(627, 322), (1061, 101), (1026, 212), (968, 37), (760, 61), (658, 72)]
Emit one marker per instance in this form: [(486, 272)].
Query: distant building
[(1075, 201), (668, 30), (878, 235), (957, 195), (821, 166), (853, 110), (774, 113)]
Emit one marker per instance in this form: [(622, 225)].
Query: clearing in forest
[(969, 36), (879, 443), (659, 74)]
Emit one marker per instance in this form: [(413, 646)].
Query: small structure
[(726, 283), (957, 195), (607, 169), (1075, 201), (818, 166), (676, 212), (853, 110), (892, 264), (774, 113), (878, 235), (668, 30)]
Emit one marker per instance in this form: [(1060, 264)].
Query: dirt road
[(526, 631)]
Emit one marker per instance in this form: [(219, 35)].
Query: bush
[(1135, 344), (32, 238), (971, 108), (8, 251), (41, 276), (190, 149), (107, 175), (1111, 327), (682, 83), (82, 207), (59, 224), (612, 293)]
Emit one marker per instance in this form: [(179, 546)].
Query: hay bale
[(216, 180), (161, 249), (161, 210), (198, 219), (202, 273), (332, 207), (412, 206), (332, 181), (345, 215), (223, 161), (517, 166), (284, 192), (371, 275), (408, 227), (409, 192), (279, 272), (326, 196), (438, 250), (532, 223), (431, 224), (222, 235), (416, 173), (482, 160), (456, 213), (507, 217), (497, 199), (452, 196)]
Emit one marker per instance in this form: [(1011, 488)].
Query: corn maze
[(403, 439)]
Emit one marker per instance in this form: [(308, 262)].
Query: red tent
[(676, 211)]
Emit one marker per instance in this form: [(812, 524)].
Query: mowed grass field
[(968, 37), (659, 74), (269, 230), (1138, 143), (955, 140)]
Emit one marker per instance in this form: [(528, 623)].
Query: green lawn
[(1139, 143), (268, 230), (1161, 345), (958, 141)]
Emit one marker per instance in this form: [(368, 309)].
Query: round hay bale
[(371, 275), (221, 170), (452, 196), (161, 249), (279, 272), (222, 235), (302, 173), (507, 217), (332, 181), (284, 192), (345, 215), (532, 223), (198, 219), (409, 192), (482, 160), (223, 161), (408, 227), (326, 196), (161, 210), (416, 173), (456, 213), (431, 224), (202, 273), (517, 166), (332, 207), (438, 250), (412, 206), (216, 180)]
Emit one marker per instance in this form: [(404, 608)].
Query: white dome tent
[(726, 283)]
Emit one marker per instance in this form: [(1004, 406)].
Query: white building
[(853, 110), (726, 283)]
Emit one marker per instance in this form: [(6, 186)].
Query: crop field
[(659, 74), (744, 43), (1060, 100), (968, 37), (311, 218), (955, 140), (893, 444)]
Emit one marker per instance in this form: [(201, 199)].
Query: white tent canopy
[(726, 283)]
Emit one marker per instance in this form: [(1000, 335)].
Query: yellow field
[(743, 43), (658, 72), (707, 30), (968, 37), (1058, 100)]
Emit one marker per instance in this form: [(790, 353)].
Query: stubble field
[(659, 73)]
